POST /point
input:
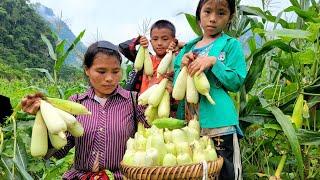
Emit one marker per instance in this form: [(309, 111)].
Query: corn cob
[(76, 130), (69, 119), (151, 113), (202, 85), (138, 62), (59, 140), (192, 93), (148, 67), (143, 98), (179, 88), (39, 138), (170, 123), (164, 106), (54, 122), (68, 106), (156, 95), (165, 63)]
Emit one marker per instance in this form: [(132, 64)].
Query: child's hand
[(31, 103), (200, 64), (187, 58), (173, 46), (144, 42)]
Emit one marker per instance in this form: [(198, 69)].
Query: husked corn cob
[(180, 86), (39, 138), (202, 85)]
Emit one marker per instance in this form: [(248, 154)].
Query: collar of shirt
[(90, 93)]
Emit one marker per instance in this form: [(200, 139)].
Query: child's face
[(214, 17), (160, 40), (104, 74)]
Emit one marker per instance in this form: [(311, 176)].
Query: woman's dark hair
[(231, 6), (100, 47), (164, 24)]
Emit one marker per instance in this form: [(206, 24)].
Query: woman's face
[(104, 74)]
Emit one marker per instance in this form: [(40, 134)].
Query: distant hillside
[(63, 31), (20, 42)]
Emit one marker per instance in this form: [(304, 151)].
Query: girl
[(221, 58), (112, 121)]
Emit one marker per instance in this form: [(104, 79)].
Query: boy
[(162, 35)]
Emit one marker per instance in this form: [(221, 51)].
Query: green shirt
[(227, 74)]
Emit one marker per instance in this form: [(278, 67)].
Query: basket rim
[(218, 160)]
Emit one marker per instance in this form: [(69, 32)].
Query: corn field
[(278, 104)]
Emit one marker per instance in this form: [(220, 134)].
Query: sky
[(120, 20)]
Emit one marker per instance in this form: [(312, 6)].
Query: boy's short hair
[(164, 24)]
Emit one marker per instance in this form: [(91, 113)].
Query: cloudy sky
[(119, 20)]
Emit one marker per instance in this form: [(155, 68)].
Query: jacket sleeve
[(232, 72), (128, 48)]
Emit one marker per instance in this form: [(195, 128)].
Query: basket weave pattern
[(192, 171)]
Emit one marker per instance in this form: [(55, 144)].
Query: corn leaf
[(63, 57), (45, 71), (193, 23), (22, 171), (258, 60), (295, 3), (21, 154), (309, 16), (289, 131), (289, 33), (6, 168), (249, 10), (309, 137), (50, 48), (60, 48)]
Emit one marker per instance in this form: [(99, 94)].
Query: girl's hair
[(100, 47), (164, 24), (231, 6)]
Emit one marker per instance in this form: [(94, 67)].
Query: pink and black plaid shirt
[(106, 133)]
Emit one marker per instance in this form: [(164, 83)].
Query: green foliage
[(20, 42)]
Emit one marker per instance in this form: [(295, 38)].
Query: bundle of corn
[(158, 100), (53, 120), (190, 87), (164, 147), (143, 60)]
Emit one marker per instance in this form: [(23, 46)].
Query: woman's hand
[(31, 103), (187, 59), (144, 42), (200, 64)]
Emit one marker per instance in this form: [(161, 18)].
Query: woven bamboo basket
[(192, 171)]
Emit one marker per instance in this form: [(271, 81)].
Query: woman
[(113, 118)]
